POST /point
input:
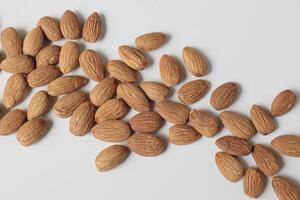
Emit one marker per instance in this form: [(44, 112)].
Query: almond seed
[(262, 120), (155, 91), (195, 62), (283, 103), (150, 41), (48, 56), (146, 122), (224, 95), (182, 134), (234, 145), (103, 91), (285, 189), (121, 71), (51, 28), (170, 73), (12, 121), (33, 42), (92, 28), (69, 57), (133, 57), (254, 182), (18, 64), (288, 145), (42, 76), (38, 105), (70, 26), (11, 42)]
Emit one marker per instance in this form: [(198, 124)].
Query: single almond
[(169, 69), (283, 103), (262, 120), (92, 28), (50, 28), (11, 42), (183, 134), (285, 188), (119, 70), (133, 57), (146, 122), (288, 145), (12, 121), (155, 91), (224, 95), (150, 41), (33, 42), (39, 105), (103, 91), (195, 62), (69, 57), (48, 56), (17, 64), (234, 145), (43, 75), (70, 26), (254, 182)]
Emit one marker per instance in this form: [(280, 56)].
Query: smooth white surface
[(255, 43)]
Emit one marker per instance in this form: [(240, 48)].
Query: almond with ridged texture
[(92, 65), (288, 145), (48, 56), (119, 70), (183, 135), (173, 112), (50, 28), (285, 188), (110, 110), (229, 166), (234, 145), (193, 91), (150, 41), (195, 63), (133, 96), (262, 120), (134, 58), (70, 26), (224, 95), (33, 42), (12, 121), (82, 119), (32, 131), (43, 75), (92, 28), (283, 103), (67, 104), (155, 91), (147, 145), (146, 122), (169, 69), (254, 182), (18, 64), (11, 42), (111, 157), (103, 91), (111, 131), (66, 85), (238, 124), (69, 57), (38, 106)]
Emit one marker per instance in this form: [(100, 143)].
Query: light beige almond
[(119, 70), (234, 145), (12, 121), (288, 145), (103, 91), (48, 56), (133, 57), (92, 28), (17, 64), (70, 26), (50, 28), (224, 95), (283, 103), (11, 42), (43, 75), (33, 42), (150, 41), (183, 134), (195, 62), (285, 188), (262, 120), (155, 91), (39, 105), (146, 122), (254, 182), (69, 57), (170, 73)]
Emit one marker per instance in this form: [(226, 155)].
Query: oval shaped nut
[(69, 57), (119, 70), (82, 119), (285, 188), (150, 41), (224, 95), (15, 90), (92, 65), (111, 131), (183, 135), (193, 91), (32, 131), (67, 104), (169, 69), (38, 106), (48, 56), (19, 64), (229, 166), (11, 42), (262, 120), (238, 124), (265, 160), (288, 145), (254, 182), (92, 28), (195, 63), (50, 28), (66, 85), (43, 75), (133, 96), (70, 26), (234, 145), (204, 122), (146, 122), (283, 103), (133, 57), (110, 110), (33, 42), (103, 91), (144, 144), (155, 91), (12, 121), (111, 157)]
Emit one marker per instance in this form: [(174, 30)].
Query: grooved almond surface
[(133, 57), (224, 95), (283, 103), (92, 28), (169, 69), (70, 26), (285, 188), (33, 42), (12, 121), (287, 145), (48, 56), (150, 41), (50, 28), (146, 122), (119, 70), (11, 42), (182, 134), (254, 182), (155, 91), (234, 145), (38, 105), (103, 91), (262, 120), (69, 57), (195, 62), (43, 75), (17, 64)]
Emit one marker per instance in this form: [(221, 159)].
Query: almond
[(133, 57), (146, 122), (146, 144), (33, 42), (195, 62), (111, 131), (288, 145), (92, 28), (70, 26), (229, 166), (42, 76), (283, 103), (11, 42), (103, 91), (155, 91), (18, 64), (111, 157), (234, 145), (193, 91), (285, 189), (170, 73), (69, 57), (38, 105), (182, 134), (238, 124), (172, 112), (48, 56), (254, 182), (133, 96), (224, 95), (50, 27), (12, 121), (121, 71), (150, 41), (262, 120)]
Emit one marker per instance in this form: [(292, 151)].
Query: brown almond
[(254, 182), (183, 134), (12, 121), (146, 122), (103, 91), (195, 63), (262, 120), (169, 69), (119, 70), (283, 103), (70, 26), (150, 41), (155, 91), (133, 57), (50, 28), (11, 42), (234, 145), (92, 28), (33, 42), (39, 105), (69, 57), (48, 56), (43, 75), (224, 95), (285, 188), (17, 64), (288, 145)]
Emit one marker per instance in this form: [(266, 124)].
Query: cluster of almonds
[(118, 89)]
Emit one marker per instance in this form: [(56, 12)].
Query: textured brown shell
[(262, 120), (194, 62), (133, 57), (103, 91), (234, 145), (169, 69), (70, 26), (50, 28), (69, 57), (33, 42), (155, 91), (172, 112), (92, 28), (42, 76), (254, 182), (283, 103), (224, 95), (48, 56), (150, 41), (12, 121), (285, 188), (183, 134), (146, 122), (11, 42), (121, 71), (287, 145)]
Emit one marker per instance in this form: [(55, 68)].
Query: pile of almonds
[(33, 63)]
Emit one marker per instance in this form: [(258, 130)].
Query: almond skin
[(12, 121), (70, 26), (33, 42), (172, 112), (155, 91), (285, 189), (11, 42), (133, 57), (234, 146), (69, 57), (119, 70), (169, 69), (103, 91), (150, 41), (48, 56), (111, 157), (92, 28), (38, 106), (283, 103), (110, 110), (147, 145), (254, 182), (50, 28), (195, 63), (92, 65), (193, 91), (204, 122), (238, 124), (288, 145), (146, 122), (224, 95), (19, 64), (262, 120), (42, 76), (229, 166), (133, 96), (183, 135), (111, 131)]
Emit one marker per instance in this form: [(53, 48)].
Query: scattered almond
[(195, 62), (285, 188), (150, 41), (121, 71), (182, 134), (48, 56), (50, 27), (283, 103), (69, 57), (70, 26), (92, 28), (103, 91), (133, 57), (234, 145), (11, 42), (262, 120), (254, 182), (170, 73), (38, 105), (17, 64), (12, 121), (42, 76), (155, 91), (33, 42), (224, 95), (288, 145), (146, 122)]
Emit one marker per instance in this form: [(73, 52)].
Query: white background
[(255, 43)]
